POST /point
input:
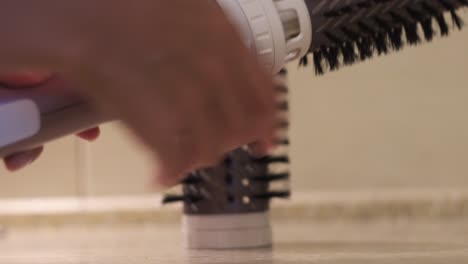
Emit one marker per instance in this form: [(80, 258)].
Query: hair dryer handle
[(32, 117)]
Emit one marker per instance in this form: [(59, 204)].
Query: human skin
[(175, 72), (26, 80)]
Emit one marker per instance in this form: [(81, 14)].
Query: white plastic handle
[(19, 119)]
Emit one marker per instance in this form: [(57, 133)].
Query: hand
[(23, 80), (176, 72)]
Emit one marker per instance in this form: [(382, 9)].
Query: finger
[(225, 106), (21, 160), (256, 97), (261, 148), (265, 111), (194, 126), (91, 134), (155, 114), (196, 135), (23, 79), (224, 116)]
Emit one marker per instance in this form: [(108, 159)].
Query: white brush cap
[(227, 231)]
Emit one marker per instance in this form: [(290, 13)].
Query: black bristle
[(334, 53), (439, 17), (332, 14), (365, 4), (411, 33), (173, 198), (318, 62), (395, 35), (415, 14), (192, 179), (331, 55), (378, 39), (346, 48), (370, 45), (381, 42), (384, 37), (364, 45), (333, 38), (425, 20), (411, 28), (354, 36), (181, 198), (272, 177), (397, 18), (444, 30), (273, 194), (366, 28), (384, 25), (361, 38), (446, 4), (457, 21), (304, 61), (273, 159), (349, 53), (428, 30)]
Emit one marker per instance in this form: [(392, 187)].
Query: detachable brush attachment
[(226, 206), (241, 183), (349, 31)]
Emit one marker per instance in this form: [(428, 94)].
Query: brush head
[(349, 31), (242, 183), (227, 206)]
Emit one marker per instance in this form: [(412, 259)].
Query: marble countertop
[(384, 241)]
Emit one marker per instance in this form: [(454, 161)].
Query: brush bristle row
[(343, 37)]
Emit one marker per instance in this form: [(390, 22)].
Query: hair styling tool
[(335, 32), (227, 206)]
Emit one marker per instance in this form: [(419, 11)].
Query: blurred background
[(391, 123)]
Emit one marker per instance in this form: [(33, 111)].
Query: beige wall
[(55, 174), (113, 165), (398, 121)]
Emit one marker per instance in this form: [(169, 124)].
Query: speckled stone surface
[(295, 242)]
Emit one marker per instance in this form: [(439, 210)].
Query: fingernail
[(268, 146), (90, 135), (24, 78), (19, 161), (161, 180)]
